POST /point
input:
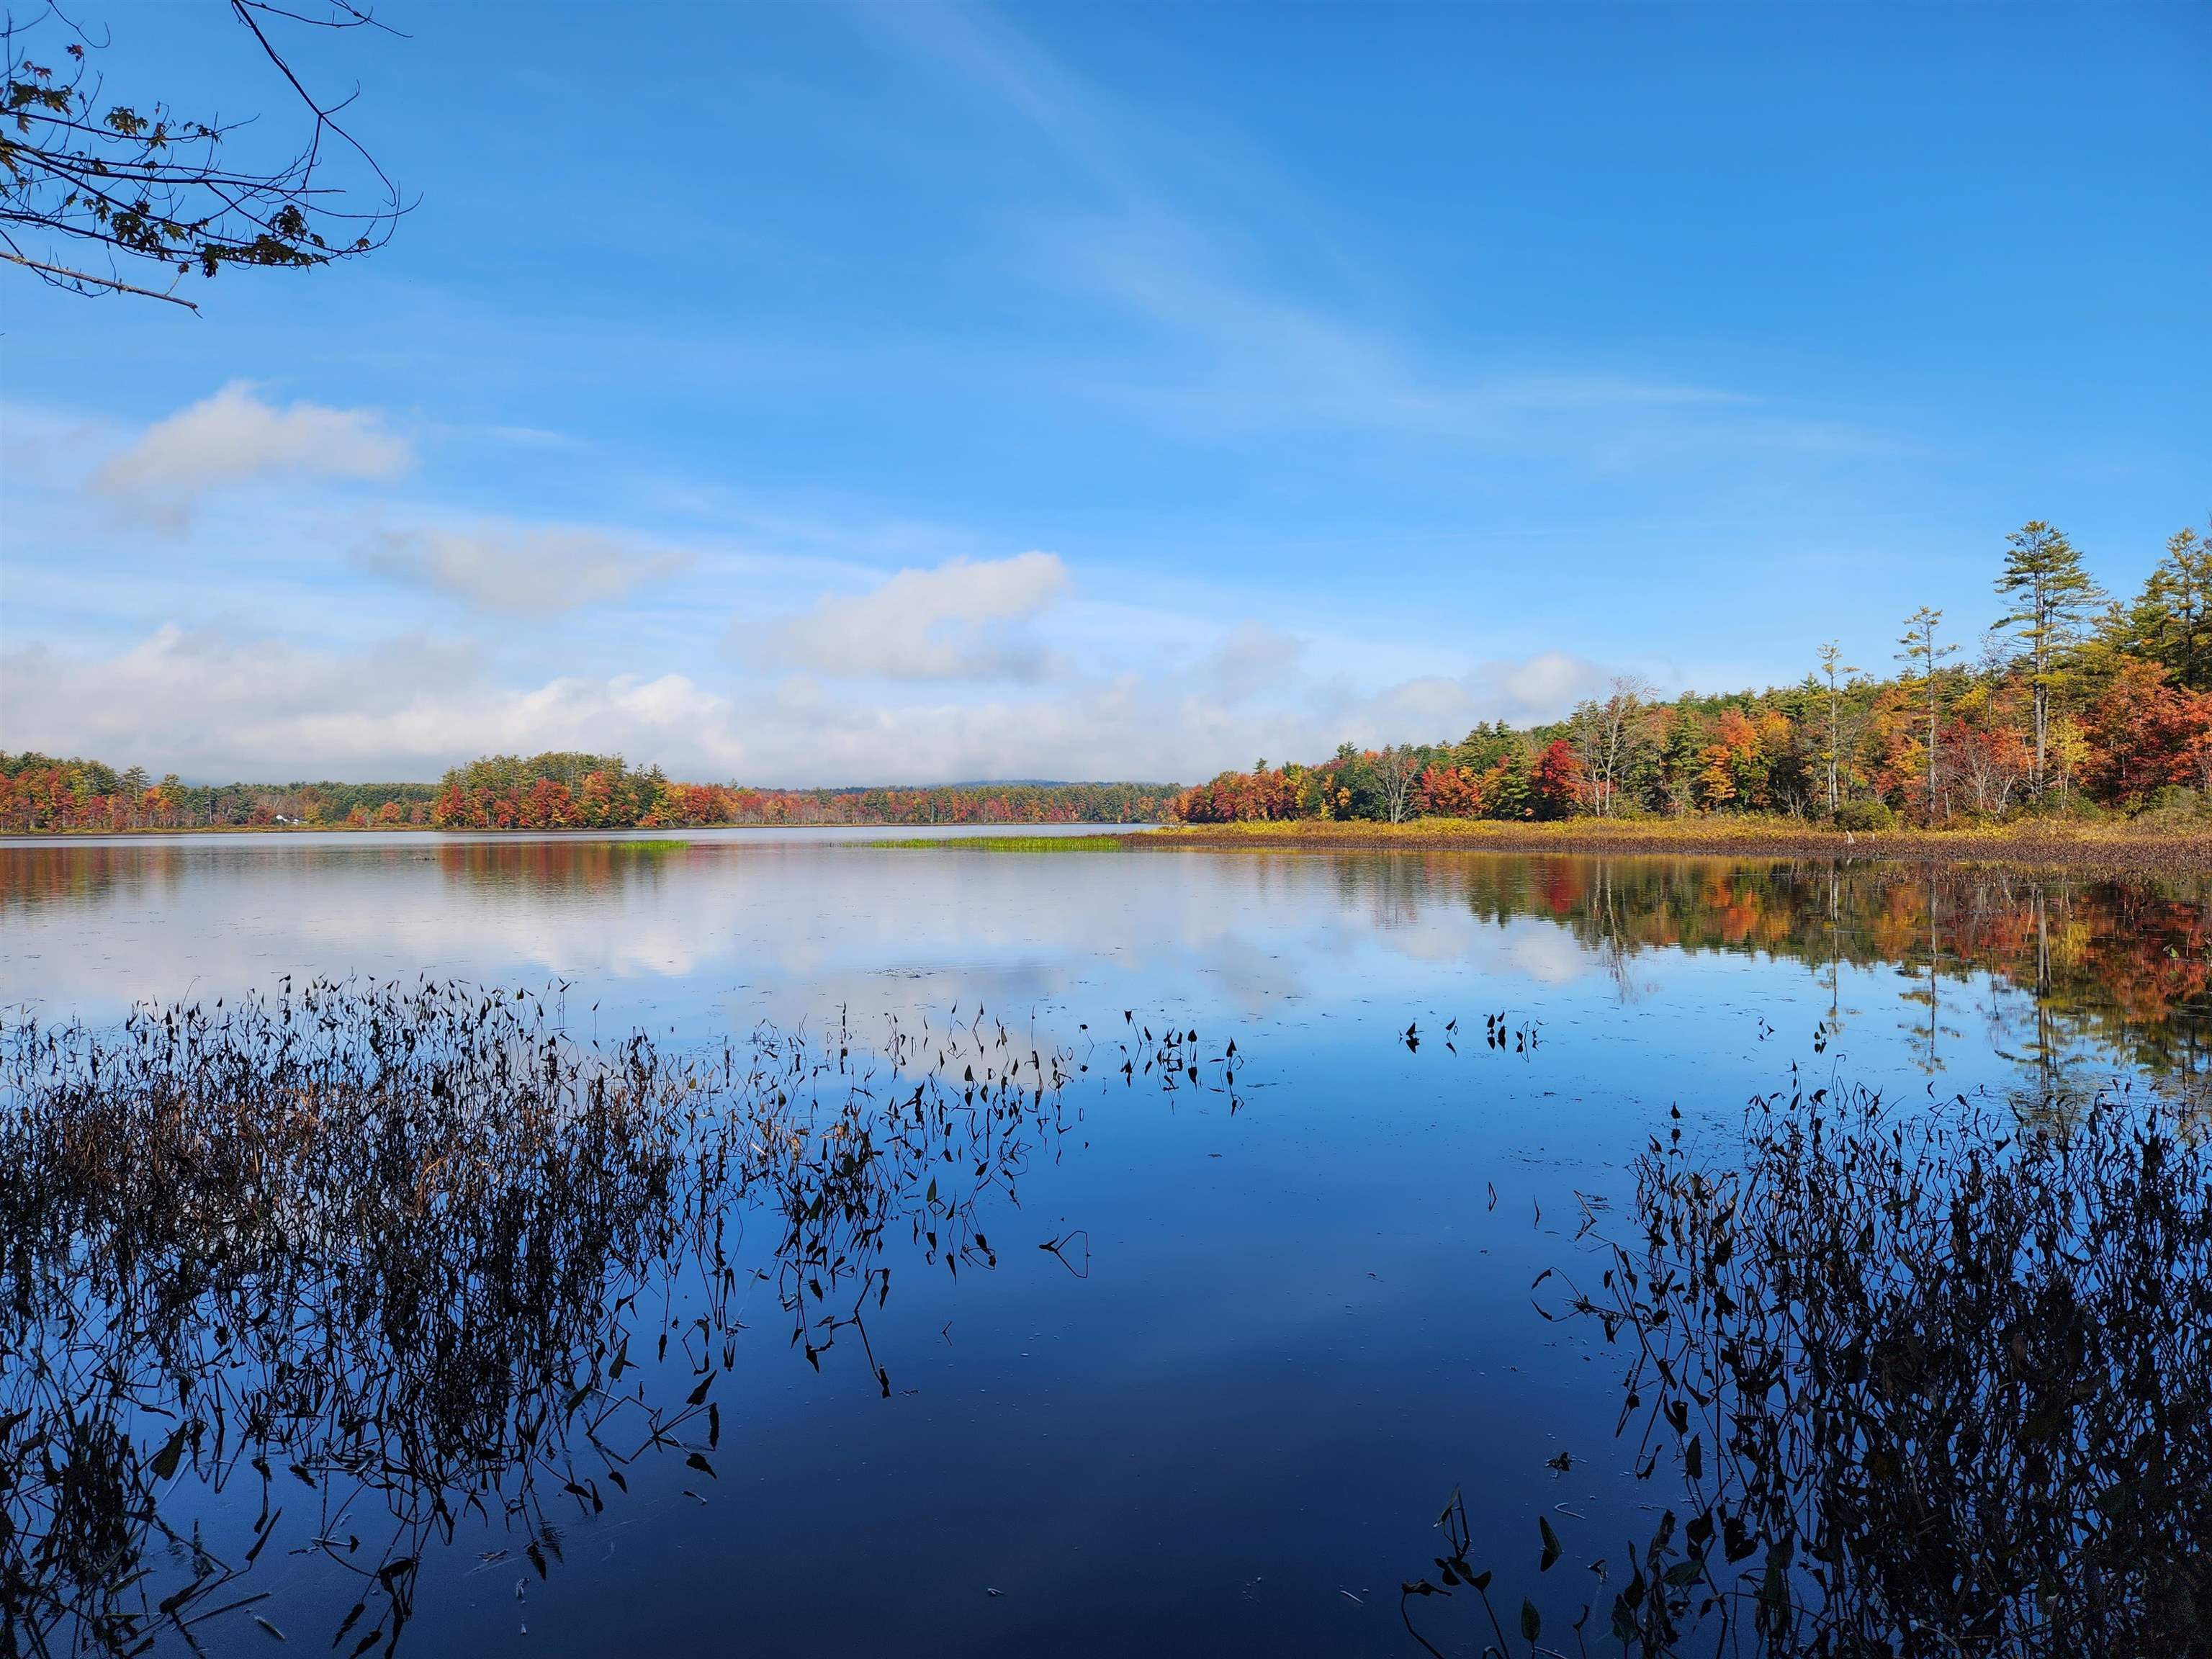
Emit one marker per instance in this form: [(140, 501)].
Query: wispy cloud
[(1258, 360), (1002, 63), (1251, 353), (513, 569), (1253, 659)]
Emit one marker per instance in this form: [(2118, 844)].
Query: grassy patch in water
[(1013, 843), (664, 846)]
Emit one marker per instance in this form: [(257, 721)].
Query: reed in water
[(1919, 1381), (376, 1262)]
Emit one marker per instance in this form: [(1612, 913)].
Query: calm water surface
[(1303, 1314)]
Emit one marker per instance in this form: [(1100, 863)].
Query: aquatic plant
[(1008, 843), (406, 1257), (1925, 1382)]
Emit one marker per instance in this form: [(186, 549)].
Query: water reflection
[(2122, 964), (2054, 971), (72, 877), (534, 869), (388, 1261), (1342, 1267)]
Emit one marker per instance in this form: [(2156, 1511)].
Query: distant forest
[(2073, 703), (560, 791)]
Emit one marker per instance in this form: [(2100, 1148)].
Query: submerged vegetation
[(382, 1263), (1932, 1382)]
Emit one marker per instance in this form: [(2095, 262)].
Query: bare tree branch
[(61, 273)]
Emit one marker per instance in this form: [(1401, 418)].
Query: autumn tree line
[(38, 792), (2073, 703), (574, 791), (555, 790)]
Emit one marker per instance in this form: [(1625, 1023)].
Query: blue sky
[(836, 394)]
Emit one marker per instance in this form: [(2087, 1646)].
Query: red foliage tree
[(1556, 790), (1451, 792), (2147, 734)]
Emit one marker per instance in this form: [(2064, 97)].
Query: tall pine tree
[(2051, 596)]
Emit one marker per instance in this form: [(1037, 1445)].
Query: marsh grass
[(2150, 846), (381, 1260), (1933, 1382), (1007, 843)]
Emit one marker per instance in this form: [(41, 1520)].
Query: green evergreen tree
[(2051, 597), (2171, 621)]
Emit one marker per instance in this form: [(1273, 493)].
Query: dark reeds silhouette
[(1919, 1381), (394, 1258)]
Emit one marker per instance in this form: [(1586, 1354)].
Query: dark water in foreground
[(1291, 1310)]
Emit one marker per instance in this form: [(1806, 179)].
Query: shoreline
[(92, 833), (2087, 847), (612, 832), (2083, 846)]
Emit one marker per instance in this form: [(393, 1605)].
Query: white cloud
[(518, 570), (234, 436), (1253, 659), (959, 621), (213, 705), (1538, 688)]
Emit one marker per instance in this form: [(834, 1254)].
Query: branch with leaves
[(89, 181)]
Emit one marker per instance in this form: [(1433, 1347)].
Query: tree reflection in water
[(2105, 966), (402, 1257)]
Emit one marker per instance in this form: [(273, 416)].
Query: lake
[(1245, 1319)]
